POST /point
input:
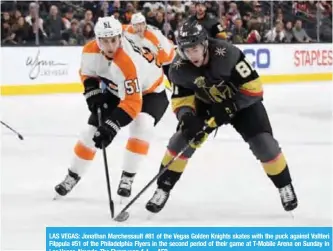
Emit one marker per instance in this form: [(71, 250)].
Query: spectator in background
[(128, 13), (254, 35), (299, 33), (88, 32), (104, 10), (257, 11), (88, 19), (279, 18), (179, 18), (192, 10), (276, 35), (91, 5), (6, 18), (54, 25), (208, 21), (33, 14), (16, 16), (35, 33), (326, 29), (239, 34), (178, 7), (68, 17), (116, 7), (7, 36), (73, 36), (21, 30), (159, 20), (288, 32), (233, 14)]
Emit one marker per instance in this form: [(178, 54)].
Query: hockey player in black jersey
[(212, 78)]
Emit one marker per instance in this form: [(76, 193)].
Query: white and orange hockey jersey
[(131, 74), (155, 41)]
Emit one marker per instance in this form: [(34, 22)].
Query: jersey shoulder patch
[(177, 71), (224, 55)]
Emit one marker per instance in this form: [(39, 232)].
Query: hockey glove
[(224, 112), (94, 95), (106, 133), (191, 127)]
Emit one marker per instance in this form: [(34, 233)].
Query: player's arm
[(89, 77), (166, 49), (190, 125), (130, 104), (182, 100), (246, 77), (130, 93)]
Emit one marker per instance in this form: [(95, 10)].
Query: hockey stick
[(123, 214), (111, 204), (14, 131)]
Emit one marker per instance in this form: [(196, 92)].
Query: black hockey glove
[(224, 112), (106, 133), (94, 95), (191, 127)]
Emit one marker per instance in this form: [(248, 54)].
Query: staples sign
[(304, 58)]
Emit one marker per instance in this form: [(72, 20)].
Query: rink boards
[(44, 70)]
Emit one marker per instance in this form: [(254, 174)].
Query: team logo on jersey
[(216, 93), (177, 64), (200, 82), (220, 51)]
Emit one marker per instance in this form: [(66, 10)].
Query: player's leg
[(254, 126), (170, 177), (84, 149), (141, 131)]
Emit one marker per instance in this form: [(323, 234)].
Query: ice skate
[(288, 197), (157, 202), (67, 184), (125, 184)]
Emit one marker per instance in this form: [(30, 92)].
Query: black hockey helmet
[(190, 34)]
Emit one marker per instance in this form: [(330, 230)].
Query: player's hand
[(95, 98), (106, 133), (224, 112), (191, 127)]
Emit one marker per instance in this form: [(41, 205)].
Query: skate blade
[(149, 215), (57, 196), (291, 215), (123, 200)]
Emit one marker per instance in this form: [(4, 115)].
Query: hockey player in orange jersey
[(133, 98), (152, 40)]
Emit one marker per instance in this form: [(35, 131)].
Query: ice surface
[(223, 185)]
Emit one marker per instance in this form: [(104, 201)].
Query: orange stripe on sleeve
[(132, 103), (137, 146), (84, 152)]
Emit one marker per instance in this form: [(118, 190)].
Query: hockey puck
[(20, 137), (123, 216)]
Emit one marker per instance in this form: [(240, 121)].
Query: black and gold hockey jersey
[(227, 66), (212, 26)]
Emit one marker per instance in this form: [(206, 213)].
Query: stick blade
[(123, 216), (112, 208)]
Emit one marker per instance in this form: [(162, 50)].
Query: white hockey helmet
[(107, 27), (138, 18)]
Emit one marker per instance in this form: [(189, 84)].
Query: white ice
[(223, 184)]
